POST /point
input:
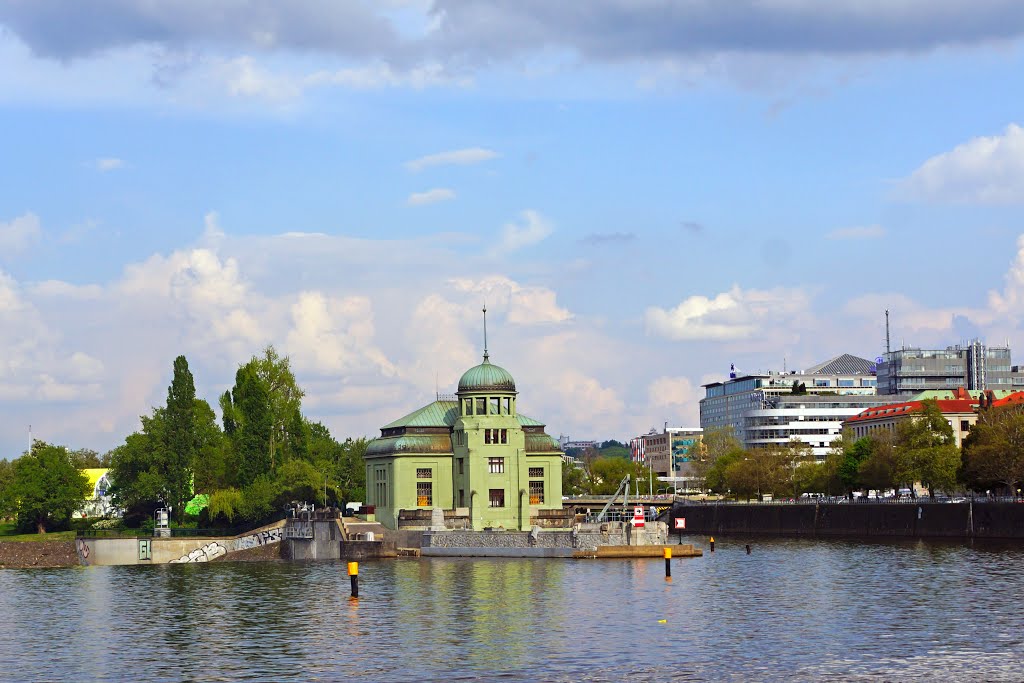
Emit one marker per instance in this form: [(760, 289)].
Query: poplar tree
[(181, 443), (252, 434)]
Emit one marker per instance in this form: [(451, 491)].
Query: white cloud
[(524, 305), (382, 75), (105, 164), (459, 157), (676, 399), (736, 314), (20, 233), (334, 336), (983, 170), (438, 194), (533, 229), (862, 232)]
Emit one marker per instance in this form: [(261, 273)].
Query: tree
[(252, 435), (180, 441), (283, 395), (608, 473), (8, 502), (926, 449), (878, 470), (215, 466), (993, 452), (48, 487), (799, 388), (85, 458), (850, 455), (715, 443), (716, 478), (574, 481)]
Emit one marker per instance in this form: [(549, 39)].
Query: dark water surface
[(798, 610)]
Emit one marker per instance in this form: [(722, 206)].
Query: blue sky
[(642, 192)]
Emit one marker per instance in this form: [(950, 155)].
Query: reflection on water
[(801, 610)]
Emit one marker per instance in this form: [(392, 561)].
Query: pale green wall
[(475, 480)]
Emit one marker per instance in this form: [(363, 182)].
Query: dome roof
[(487, 377)]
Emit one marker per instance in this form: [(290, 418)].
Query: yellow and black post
[(712, 544), (353, 575), (668, 563)]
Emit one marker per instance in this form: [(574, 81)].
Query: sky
[(642, 192)]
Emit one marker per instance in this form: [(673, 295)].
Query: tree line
[(263, 454), (921, 448)]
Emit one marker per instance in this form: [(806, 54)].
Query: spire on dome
[(486, 357)]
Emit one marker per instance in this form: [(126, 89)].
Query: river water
[(792, 609)]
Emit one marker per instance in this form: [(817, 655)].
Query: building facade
[(971, 366), (960, 409), (473, 455), (772, 408)]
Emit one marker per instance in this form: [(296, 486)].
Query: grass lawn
[(7, 534)]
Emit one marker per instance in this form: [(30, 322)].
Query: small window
[(504, 436), (424, 473), (536, 493), (487, 436), (461, 464), (494, 407), (964, 425), (481, 406), (536, 473), (496, 465), (462, 498), (424, 494), (497, 498), (506, 406), (467, 406)]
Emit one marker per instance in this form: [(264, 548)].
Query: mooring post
[(353, 576), (712, 542), (668, 563)]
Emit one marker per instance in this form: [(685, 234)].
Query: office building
[(972, 366)]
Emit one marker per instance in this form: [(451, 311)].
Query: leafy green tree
[(716, 479), (608, 473), (298, 480), (926, 449), (85, 458), (48, 487), (8, 502), (224, 504), (138, 481), (850, 455), (574, 481), (215, 466), (878, 470), (258, 500), (715, 443), (993, 452), (284, 397), (252, 435), (180, 441)]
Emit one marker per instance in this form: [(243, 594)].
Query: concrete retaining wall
[(174, 550), (925, 520)]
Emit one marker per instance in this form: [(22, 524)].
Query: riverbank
[(37, 554)]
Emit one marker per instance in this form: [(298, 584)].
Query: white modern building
[(775, 407)]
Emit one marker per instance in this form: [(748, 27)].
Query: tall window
[(481, 406), (380, 476), (496, 465), (462, 498), (461, 468), (504, 436), (506, 406), (494, 406), (424, 494), (497, 498), (537, 492), (467, 406)]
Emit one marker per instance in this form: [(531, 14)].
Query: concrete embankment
[(902, 520), (37, 554)]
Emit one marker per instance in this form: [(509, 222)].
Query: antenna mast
[(485, 333), (887, 350)]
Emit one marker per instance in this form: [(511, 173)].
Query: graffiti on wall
[(83, 550), (210, 551), (259, 538)]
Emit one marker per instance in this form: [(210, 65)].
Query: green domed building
[(473, 455)]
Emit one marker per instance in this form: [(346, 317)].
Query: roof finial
[(486, 357)]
